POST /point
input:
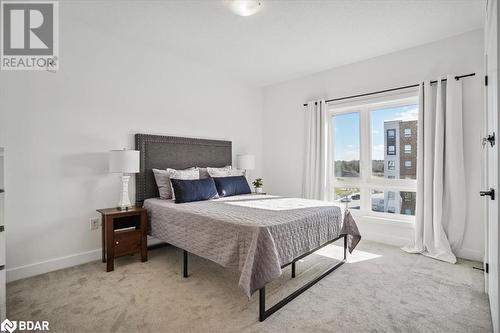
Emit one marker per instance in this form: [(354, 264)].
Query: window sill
[(402, 221)]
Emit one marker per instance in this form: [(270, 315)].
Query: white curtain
[(441, 202), (315, 162)]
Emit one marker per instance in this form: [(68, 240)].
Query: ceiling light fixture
[(244, 7)]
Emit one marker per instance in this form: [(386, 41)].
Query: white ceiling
[(289, 39)]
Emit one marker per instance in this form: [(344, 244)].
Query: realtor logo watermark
[(29, 35), (24, 325)]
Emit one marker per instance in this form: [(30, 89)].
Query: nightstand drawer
[(127, 242)]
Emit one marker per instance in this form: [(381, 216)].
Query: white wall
[(57, 129), (284, 121)]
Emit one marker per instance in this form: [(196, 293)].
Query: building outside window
[(391, 165), (407, 132), (407, 164), (407, 149)]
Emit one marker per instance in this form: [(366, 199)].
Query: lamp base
[(124, 203)]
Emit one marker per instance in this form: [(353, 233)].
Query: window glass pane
[(394, 141), (392, 201), (349, 196), (346, 140)]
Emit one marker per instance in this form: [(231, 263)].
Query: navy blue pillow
[(194, 190), (228, 186)]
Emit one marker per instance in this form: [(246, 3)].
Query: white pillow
[(162, 178), (163, 183), (203, 173), (191, 173), (224, 172)]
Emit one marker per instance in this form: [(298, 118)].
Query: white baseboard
[(470, 254), (55, 264), (385, 239), (25, 271)]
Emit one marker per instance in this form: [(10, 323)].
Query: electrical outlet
[(95, 223)]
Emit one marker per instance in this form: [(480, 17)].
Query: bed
[(258, 235)]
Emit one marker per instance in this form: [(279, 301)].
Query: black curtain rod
[(458, 77)]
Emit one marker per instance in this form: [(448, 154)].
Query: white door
[(490, 160)]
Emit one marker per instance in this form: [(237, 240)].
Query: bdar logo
[(8, 326), (24, 325)]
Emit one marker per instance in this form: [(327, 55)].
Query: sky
[(346, 131)]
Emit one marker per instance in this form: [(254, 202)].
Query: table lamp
[(125, 162), (245, 162)]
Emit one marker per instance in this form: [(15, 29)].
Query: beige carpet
[(382, 289)]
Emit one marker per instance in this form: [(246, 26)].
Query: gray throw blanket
[(256, 234)]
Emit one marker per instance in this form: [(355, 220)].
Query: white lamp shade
[(124, 161), (245, 162)]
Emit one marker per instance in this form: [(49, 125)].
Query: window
[(346, 149), (348, 197), (386, 122), (370, 171), (393, 202)]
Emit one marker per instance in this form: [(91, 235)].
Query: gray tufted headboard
[(161, 152)]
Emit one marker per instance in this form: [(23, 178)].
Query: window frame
[(366, 182)]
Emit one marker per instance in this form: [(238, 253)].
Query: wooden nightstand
[(124, 232)]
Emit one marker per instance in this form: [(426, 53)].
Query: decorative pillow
[(224, 172), (232, 185), (191, 173), (194, 190), (163, 183), (203, 173), (162, 178)]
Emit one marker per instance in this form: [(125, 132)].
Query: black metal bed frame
[(263, 313)]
